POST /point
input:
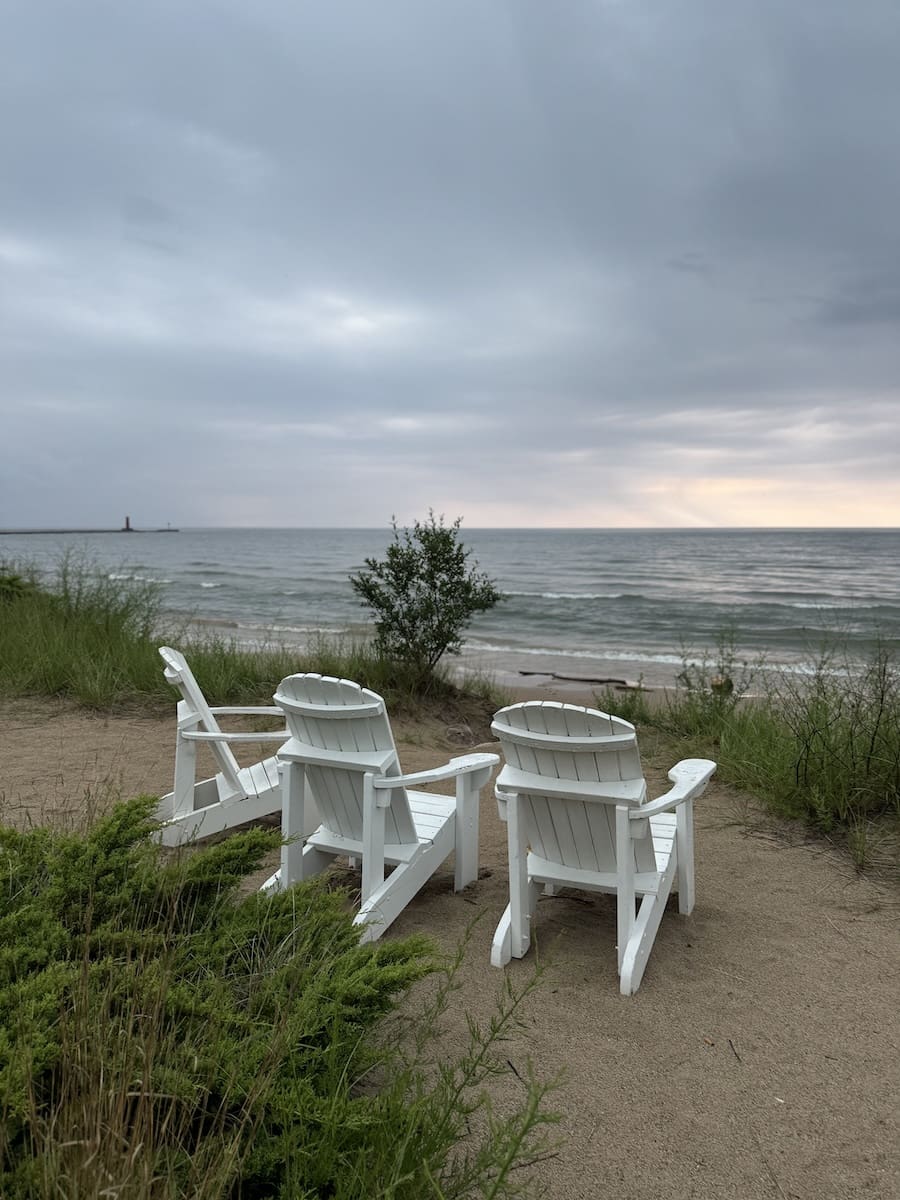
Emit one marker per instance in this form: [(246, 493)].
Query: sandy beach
[(759, 1058)]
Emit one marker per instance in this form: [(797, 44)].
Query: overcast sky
[(532, 262)]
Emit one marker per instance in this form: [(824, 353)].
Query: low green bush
[(15, 586), (423, 594), (162, 1037)]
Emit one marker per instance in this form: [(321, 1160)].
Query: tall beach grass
[(820, 745), (92, 637)]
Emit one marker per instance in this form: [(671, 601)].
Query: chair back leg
[(624, 882)]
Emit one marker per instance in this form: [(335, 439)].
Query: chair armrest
[(253, 710), (464, 765), (278, 735), (690, 777)]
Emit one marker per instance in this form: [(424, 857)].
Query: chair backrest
[(180, 675), (547, 741), (339, 716)]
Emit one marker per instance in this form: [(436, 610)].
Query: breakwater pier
[(126, 528)]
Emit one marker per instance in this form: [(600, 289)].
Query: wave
[(577, 595), (547, 652), (124, 577), (829, 605), (204, 584)]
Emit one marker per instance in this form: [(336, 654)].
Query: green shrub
[(423, 594), (14, 586), (162, 1037)]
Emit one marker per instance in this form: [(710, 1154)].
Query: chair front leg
[(468, 789), (684, 849)]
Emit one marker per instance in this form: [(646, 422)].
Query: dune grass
[(84, 635), (821, 745)]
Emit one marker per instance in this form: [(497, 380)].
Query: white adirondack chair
[(573, 796), (342, 753), (236, 794)]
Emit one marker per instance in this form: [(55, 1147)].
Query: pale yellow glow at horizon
[(704, 503), (768, 501)]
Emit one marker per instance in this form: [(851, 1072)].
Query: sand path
[(761, 1056)]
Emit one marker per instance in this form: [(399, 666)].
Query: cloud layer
[(593, 263)]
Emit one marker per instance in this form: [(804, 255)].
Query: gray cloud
[(594, 263)]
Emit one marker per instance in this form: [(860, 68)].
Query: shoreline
[(512, 667), (515, 665)]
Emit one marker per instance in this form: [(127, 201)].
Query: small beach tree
[(423, 593)]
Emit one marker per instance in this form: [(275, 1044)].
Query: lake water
[(588, 603)]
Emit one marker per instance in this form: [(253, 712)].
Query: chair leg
[(373, 840), (501, 947), (523, 894), (639, 945), (633, 957), (293, 788), (468, 787), (381, 907), (684, 849), (182, 798), (624, 883), (298, 861)]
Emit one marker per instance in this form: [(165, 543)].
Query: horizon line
[(25, 531)]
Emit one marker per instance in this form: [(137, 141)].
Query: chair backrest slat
[(326, 713), (564, 741)]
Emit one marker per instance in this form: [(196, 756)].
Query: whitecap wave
[(125, 577), (570, 595), (599, 655), (833, 604)]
